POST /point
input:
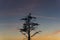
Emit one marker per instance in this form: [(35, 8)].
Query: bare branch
[(35, 33), (24, 34)]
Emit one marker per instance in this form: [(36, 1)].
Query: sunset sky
[(46, 11)]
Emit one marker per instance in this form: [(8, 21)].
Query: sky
[(46, 11)]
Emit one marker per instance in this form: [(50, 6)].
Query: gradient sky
[(46, 11)]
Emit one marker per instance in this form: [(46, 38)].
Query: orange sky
[(15, 35), (53, 36)]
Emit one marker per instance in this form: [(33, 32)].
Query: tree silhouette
[(28, 26)]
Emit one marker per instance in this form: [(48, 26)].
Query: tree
[(28, 26)]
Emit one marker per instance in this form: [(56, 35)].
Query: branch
[(24, 34), (35, 33)]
